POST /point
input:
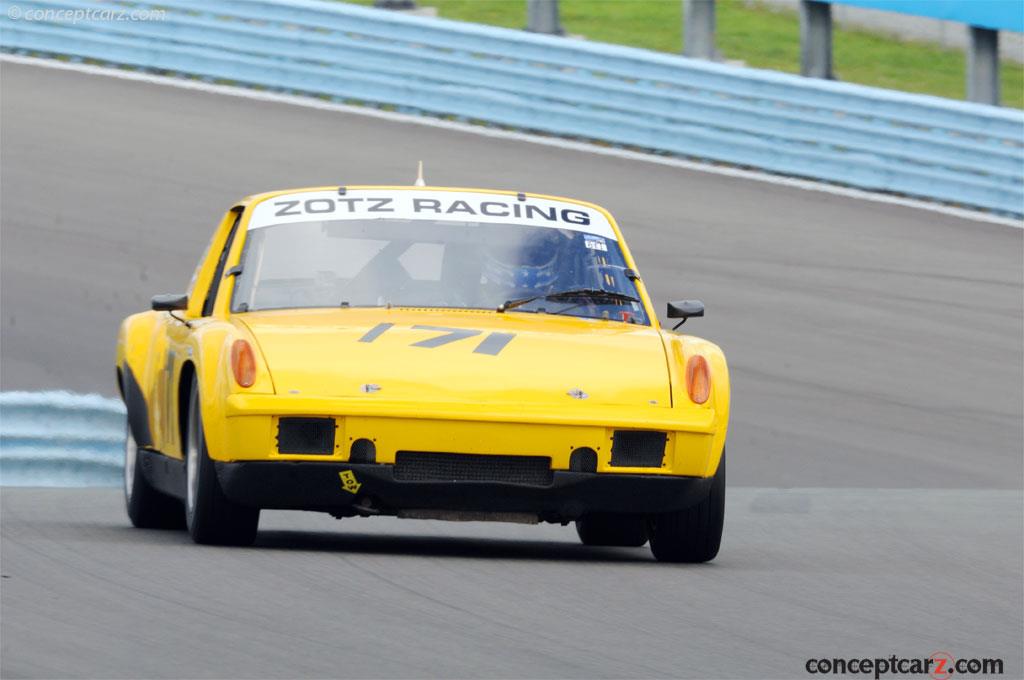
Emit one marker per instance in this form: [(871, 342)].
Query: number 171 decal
[(492, 343)]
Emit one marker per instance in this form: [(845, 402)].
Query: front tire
[(693, 534), (628, 531), (147, 508), (212, 518)]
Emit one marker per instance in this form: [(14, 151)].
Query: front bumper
[(246, 430), (347, 489)]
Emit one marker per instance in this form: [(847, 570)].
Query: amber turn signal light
[(243, 363), (698, 379)]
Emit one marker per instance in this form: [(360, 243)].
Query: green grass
[(754, 34)]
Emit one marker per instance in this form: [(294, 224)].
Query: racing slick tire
[(211, 517), (693, 534), (626, 531), (147, 508)]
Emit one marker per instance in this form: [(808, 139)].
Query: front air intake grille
[(418, 466), (631, 448), (306, 435)]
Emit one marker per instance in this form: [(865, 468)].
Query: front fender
[(679, 349), (211, 356)]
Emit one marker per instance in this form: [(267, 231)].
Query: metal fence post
[(699, 29), (395, 4), (983, 66), (542, 17), (816, 39)]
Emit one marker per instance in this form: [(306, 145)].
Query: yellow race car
[(423, 352)]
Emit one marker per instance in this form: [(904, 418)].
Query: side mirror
[(169, 302), (684, 309)]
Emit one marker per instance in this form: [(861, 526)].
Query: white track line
[(308, 102)]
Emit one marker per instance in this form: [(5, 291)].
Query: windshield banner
[(448, 206)]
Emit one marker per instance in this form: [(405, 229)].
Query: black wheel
[(693, 534), (211, 517), (619, 530), (147, 508)]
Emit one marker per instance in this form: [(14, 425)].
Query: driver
[(525, 268)]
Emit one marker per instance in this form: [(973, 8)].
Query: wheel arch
[(131, 363), (135, 405), (185, 380)]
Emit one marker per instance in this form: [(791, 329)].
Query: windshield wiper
[(572, 294)]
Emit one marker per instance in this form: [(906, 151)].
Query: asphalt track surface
[(875, 447), (803, 574)]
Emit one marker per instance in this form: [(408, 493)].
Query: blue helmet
[(530, 266)]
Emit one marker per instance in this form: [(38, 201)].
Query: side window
[(211, 294)]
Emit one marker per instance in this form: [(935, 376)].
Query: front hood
[(464, 356)]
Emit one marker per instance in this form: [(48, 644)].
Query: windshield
[(424, 263)]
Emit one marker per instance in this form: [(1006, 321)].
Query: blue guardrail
[(60, 439), (928, 147)]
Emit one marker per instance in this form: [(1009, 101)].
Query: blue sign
[(1003, 15)]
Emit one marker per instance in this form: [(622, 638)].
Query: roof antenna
[(419, 176)]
